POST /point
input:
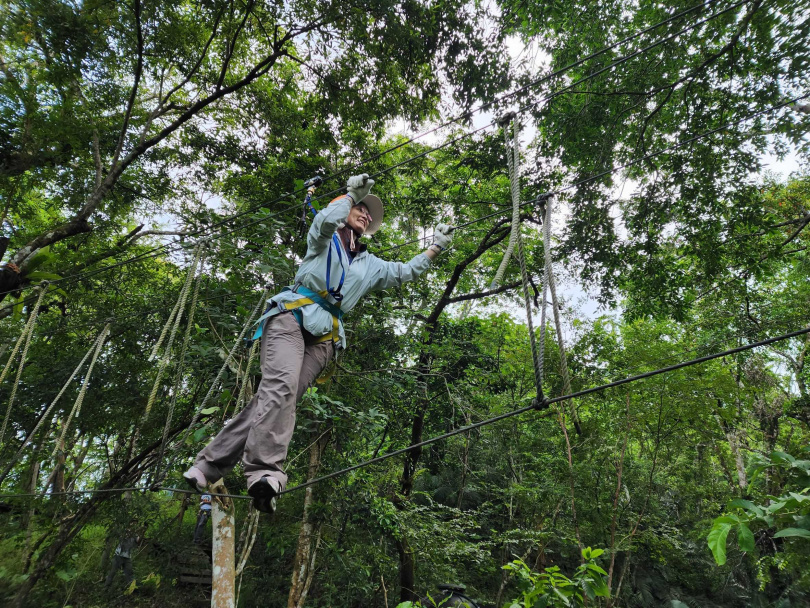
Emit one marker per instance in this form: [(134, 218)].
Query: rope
[(566, 376), (459, 430), (173, 321), (544, 288), (510, 120), (167, 247), (512, 162), (45, 416), (178, 376), (224, 367), (28, 331), (251, 530), (77, 405)]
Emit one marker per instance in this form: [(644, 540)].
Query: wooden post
[(223, 590)]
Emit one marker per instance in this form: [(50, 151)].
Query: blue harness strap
[(335, 293)]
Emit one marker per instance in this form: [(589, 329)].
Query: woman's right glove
[(443, 236)]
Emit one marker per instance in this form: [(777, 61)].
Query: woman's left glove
[(443, 236), (359, 186)]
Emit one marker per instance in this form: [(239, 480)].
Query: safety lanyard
[(335, 293)]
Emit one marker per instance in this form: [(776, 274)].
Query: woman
[(299, 332)]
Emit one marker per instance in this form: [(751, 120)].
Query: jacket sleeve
[(394, 274), (326, 223)]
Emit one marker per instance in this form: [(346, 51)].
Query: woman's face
[(359, 218)]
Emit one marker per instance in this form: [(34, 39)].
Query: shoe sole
[(265, 504), (193, 485), (264, 497)]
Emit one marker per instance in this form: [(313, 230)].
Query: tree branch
[(134, 93)]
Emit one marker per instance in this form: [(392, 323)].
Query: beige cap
[(375, 208)]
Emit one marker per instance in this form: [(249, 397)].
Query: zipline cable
[(159, 249), (523, 410)]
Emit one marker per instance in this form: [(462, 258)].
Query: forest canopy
[(152, 166)]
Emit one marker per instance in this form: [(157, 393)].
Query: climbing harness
[(77, 405), (310, 296), (25, 338)]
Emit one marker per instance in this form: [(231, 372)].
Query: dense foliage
[(127, 125)]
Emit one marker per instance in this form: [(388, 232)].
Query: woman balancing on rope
[(301, 328)]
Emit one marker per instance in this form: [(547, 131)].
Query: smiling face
[(359, 218)]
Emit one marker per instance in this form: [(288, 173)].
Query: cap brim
[(375, 208)]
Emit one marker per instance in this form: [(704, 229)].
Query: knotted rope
[(178, 376), (77, 405), (44, 418), (509, 123), (173, 322), (237, 343), (513, 160), (25, 338)]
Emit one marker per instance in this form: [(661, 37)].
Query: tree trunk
[(305, 554), (407, 569), (28, 518), (407, 565), (58, 475), (223, 556)]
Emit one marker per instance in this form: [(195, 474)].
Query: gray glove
[(359, 186), (443, 236)]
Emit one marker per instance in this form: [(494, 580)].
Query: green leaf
[(600, 587), (717, 541), (595, 568), (209, 410), (782, 457), (801, 532), (746, 505), (745, 538)]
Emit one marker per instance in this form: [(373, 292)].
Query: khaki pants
[(261, 432)]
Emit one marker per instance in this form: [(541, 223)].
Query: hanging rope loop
[(512, 145), (511, 130)]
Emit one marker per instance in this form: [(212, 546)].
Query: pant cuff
[(211, 473)]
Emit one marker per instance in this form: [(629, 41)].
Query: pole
[(223, 589)]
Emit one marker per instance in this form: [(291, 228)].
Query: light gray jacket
[(366, 272)]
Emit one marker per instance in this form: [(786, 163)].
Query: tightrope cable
[(459, 430)]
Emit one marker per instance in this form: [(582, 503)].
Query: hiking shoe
[(195, 478), (264, 493)]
